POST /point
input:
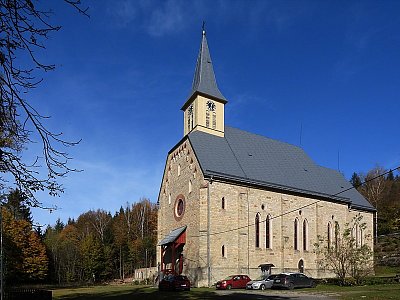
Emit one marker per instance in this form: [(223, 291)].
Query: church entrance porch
[(171, 251)]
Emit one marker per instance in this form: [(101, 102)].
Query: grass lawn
[(390, 291), (379, 291)]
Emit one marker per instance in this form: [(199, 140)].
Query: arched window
[(329, 235), (268, 233), (257, 230), (356, 236), (296, 234), (361, 238), (337, 232), (300, 266), (223, 250), (223, 203), (305, 235)]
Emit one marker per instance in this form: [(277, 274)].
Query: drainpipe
[(248, 232), (208, 232)]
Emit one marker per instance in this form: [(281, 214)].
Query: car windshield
[(262, 277), (228, 278)]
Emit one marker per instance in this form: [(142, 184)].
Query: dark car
[(261, 283), (174, 283), (293, 280), (233, 282)]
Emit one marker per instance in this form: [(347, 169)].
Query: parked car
[(293, 280), (233, 282), (261, 283), (173, 282)]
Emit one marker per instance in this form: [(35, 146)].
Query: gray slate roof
[(204, 78), (256, 160)]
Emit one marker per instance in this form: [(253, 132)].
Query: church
[(233, 202)]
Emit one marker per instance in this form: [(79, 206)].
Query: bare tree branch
[(23, 32)]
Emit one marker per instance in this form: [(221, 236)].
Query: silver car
[(261, 283)]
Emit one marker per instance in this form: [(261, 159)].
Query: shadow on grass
[(153, 293)]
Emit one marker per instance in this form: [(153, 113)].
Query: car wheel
[(228, 287), (262, 287), (313, 284), (290, 286)]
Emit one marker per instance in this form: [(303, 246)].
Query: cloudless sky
[(321, 73)]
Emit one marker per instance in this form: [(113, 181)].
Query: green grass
[(386, 271), (114, 292), (376, 292)]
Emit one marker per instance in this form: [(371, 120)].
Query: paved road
[(274, 295)]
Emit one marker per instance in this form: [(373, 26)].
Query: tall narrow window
[(223, 250), (361, 238), (296, 235), (268, 233), (179, 170), (357, 236), (190, 186), (329, 235), (257, 230), (305, 235), (210, 108), (190, 117), (223, 203), (337, 232), (214, 120)]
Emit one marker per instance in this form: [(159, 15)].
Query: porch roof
[(172, 236)]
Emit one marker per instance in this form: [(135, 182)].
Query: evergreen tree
[(390, 176), (355, 180)]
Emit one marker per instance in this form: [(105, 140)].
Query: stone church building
[(233, 202)]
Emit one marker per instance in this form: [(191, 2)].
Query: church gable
[(182, 180)]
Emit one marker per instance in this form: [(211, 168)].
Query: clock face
[(210, 105)]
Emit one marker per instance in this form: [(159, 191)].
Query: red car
[(174, 283), (233, 282)]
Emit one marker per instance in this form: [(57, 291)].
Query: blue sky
[(327, 68)]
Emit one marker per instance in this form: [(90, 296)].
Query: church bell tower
[(204, 109)]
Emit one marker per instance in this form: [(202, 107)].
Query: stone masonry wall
[(232, 228)]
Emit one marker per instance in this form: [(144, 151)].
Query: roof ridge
[(265, 137)]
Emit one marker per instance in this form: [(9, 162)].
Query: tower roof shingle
[(204, 81)]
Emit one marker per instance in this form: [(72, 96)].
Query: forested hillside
[(382, 189), (97, 246)]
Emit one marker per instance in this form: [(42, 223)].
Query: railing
[(27, 294)]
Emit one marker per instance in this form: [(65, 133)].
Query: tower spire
[(204, 81)]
